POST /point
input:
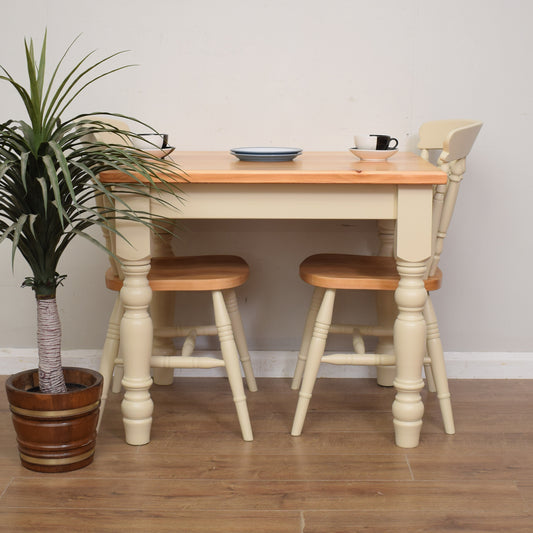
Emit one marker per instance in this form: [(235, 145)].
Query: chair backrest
[(108, 137), (160, 246), (101, 200), (454, 138)]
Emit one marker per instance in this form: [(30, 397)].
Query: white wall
[(308, 73)]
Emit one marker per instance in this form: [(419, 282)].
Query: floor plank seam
[(409, 467), (528, 507), (154, 509), (6, 487), (302, 522)]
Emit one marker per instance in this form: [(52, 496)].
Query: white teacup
[(150, 141), (375, 142)]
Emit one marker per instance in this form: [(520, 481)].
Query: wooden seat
[(219, 274), (331, 272), (362, 272), (198, 273)]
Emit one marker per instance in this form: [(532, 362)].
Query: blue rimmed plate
[(266, 153)]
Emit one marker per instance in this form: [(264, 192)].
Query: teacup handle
[(395, 145)]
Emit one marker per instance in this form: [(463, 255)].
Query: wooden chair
[(331, 272), (219, 274)]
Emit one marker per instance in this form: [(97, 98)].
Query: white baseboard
[(460, 365)]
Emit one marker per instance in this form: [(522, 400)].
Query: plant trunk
[(51, 378)]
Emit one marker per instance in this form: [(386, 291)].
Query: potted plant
[(49, 168)]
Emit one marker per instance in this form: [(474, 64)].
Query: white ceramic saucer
[(373, 155)]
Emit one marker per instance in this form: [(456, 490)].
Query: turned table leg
[(136, 330), (410, 349), (413, 248), (136, 346)]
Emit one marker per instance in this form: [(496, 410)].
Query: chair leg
[(231, 360), (162, 312), (436, 354), (387, 311), (162, 306), (240, 339), (429, 377), (318, 295), (316, 351), (386, 306), (110, 352), (118, 374)]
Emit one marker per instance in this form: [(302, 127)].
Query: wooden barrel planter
[(55, 432)]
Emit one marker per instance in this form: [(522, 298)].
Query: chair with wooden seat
[(218, 274), (331, 272)]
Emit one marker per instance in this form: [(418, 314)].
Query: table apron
[(281, 201)]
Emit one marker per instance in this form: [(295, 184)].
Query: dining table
[(318, 185)]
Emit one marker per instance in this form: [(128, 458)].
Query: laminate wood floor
[(343, 475)]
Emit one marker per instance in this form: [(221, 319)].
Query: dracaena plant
[(49, 179)]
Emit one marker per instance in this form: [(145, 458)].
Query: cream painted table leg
[(410, 349), (413, 247), (136, 330)]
